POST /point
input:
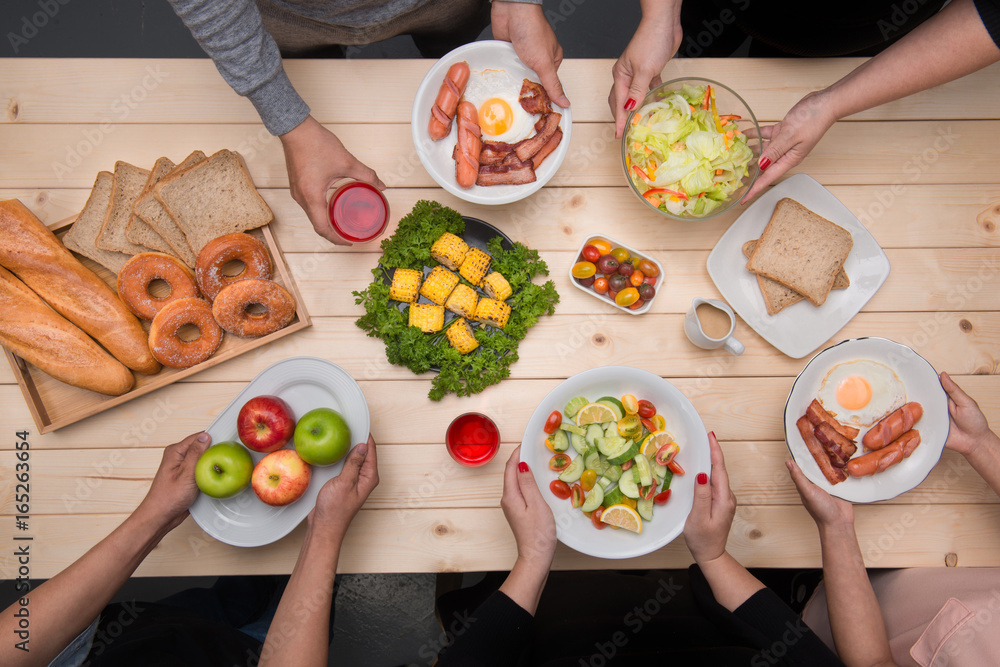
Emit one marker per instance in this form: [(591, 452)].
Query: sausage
[(817, 414), (833, 475), (880, 459), (840, 448), (469, 145), (446, 103), (893, 426)]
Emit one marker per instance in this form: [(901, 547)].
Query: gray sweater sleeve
[(232, 34)]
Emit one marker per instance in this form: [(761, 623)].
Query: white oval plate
[(436, 155), (305, 383), (922, 385), (573, 527)]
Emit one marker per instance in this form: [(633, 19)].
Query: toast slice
[(213, 198), (801, 250), (82, 236), (151, 211), (777, 297), (137, 231), (125, 188)]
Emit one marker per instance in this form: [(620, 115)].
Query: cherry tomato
[(586, 282), (595, 518), (647, 291), (649, 492), (617, 282), (650, 280), (584, 270), (648, 425), (636, 278), (577, 495), (552, 423), (627, 297), (666, 453), (659, 422), (637, 305), (548, 444), (588, 479), (612, 294), (627, 465), (626, 269), (601, 285), (560, 489), (662, 497), (559, 462), (621, 254), (646, 410), (629, 427), (648, 268), (630, 404), (590, 253), (607, 265), (675, 468), (602, 246)]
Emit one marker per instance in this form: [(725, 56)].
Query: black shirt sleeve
[(497, 634), (989, 12)]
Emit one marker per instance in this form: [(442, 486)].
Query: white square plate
[(802, 327)]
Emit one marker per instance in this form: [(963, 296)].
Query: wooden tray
[(54, 404)]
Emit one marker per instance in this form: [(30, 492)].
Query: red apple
[(281, 477), (265, 423)]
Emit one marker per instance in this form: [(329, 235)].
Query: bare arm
[(970, 434), (66, 604)]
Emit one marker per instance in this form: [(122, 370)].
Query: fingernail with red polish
[(630, 104), (712, 433), (765, 162), (702, 478), (522, 467)]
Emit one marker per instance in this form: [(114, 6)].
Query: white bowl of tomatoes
[(617, 274)]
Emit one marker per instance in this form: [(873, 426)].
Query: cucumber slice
[(613, 473), (614, 403), (574, 471), (629, 450), (602, 464), (613, 497), (579, 444), (611, 430), (593, 433), (604, 445), (658, 470), (645, 509), (628, 486), (559, 441), (636, 478), (645, 472), (605, 482), (594, 499), (572, 428), (592, 460), (574, 406), (666, 479)]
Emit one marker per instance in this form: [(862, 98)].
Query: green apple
[(223, 470), (322, 437)]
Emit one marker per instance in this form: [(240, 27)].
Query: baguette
[(32, 252), (43, 337)]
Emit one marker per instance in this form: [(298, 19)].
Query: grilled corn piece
[(460, 336), (496, 286), (450, 250), (475, 266), (439, 284), (492, 312), (426, 317), (405, 285), (462, 301)]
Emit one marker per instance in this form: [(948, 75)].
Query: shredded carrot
[(653, 199), (719, 172), (635, 120), (648, 150), (636, 145)]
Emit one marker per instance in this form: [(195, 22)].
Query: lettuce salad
[(682, 156)]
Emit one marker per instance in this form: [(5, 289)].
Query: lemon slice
[(654, 441), (595, 413), (622, 516)]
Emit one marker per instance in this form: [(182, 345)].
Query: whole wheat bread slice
[(151, 211), (215, 197), (801, 250), (82, 236), (777, 297), (128, 183), (137, 231)]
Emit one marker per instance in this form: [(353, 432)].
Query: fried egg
[(495, 94), (859, 393)]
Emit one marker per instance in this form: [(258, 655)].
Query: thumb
[(356, 459), (553, 86), (781, 139), (362, 172)]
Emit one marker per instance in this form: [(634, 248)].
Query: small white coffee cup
[(720, 312)]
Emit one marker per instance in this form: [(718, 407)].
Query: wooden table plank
[(861, 153), (191, 90)]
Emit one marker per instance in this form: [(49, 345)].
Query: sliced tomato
[(675, 468), (646, 410), (595, 518), (577, 495), (647, 424), (666, 453), (559, 462), (560, 489), (588, 479), (662, 497), (553, 422), (659, 422), (626, 465), (647, 492)]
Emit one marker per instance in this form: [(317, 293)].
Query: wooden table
[(922, 173)]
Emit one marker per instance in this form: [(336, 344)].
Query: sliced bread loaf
[(82, 236), (137, 231), (151, 211), (125, 189)]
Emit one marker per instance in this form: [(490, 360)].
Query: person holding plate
[(247, 39)]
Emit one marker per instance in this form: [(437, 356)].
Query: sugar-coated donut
[(164, 342), (224, 249), (139, 272), (233, 308)]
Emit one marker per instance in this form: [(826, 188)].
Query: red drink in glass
[(358, 211), (473, 439)]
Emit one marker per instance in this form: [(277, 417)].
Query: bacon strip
[(508, 174), (495, 152), (549, 146), (806, 430), (817, 414), (533, 98), (529, 147)]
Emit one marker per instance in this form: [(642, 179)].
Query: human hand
[(340, 498), (316, 159), (711, 517), (791, 139), (969, 427), (173, 489), (637, 71), (825, 510), (524, 25), (529, 516)]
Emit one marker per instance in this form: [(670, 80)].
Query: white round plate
[(436, 155), (305, 383), (922, 385), (573, 527)]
